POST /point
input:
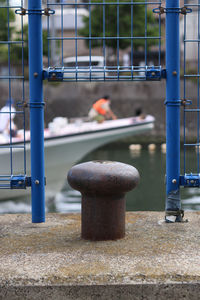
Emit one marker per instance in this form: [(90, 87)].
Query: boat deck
[(78, 127)]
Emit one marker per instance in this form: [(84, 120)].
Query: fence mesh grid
[(12, 152), (94, 40), (191, 64), (104, 39)]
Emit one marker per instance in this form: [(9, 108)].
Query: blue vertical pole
[(173, 202), (36, 111)]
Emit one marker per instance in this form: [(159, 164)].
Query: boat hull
[(61, 153)]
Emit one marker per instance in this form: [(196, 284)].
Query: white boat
[(66, 145)]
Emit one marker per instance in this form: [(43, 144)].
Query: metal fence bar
[(159, 42), (11, 42), (131, 58), (90, 49), (105, 38), (104, 41), (145, 36), (11, 77), (198, 33), (12, 146), (62, 46), (192, 38), (48, 40), (106, 3), (173, 203), (9, 86), (36, 113), (23, 92), (184, 116)]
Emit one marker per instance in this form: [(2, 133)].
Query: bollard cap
[(103, 177)]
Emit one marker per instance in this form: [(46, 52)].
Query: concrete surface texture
[(50, 261)]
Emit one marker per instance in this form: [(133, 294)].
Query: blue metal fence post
[(173, 202), (36, 111)]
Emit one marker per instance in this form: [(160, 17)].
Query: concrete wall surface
[(107, 292), (155, 260)]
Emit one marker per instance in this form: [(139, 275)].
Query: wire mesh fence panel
[(191, 66), (103, 40), (12, 57)]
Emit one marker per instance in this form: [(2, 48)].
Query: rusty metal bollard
[(103, 185)]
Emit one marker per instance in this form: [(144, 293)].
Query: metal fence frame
[(9, 180), (57, 73)]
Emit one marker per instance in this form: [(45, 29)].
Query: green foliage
[(5, 31), (17, 51), (123, 14), (9, 32), (45, 43), (5, 15)]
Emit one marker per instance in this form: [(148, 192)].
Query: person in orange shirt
[(101, 110)]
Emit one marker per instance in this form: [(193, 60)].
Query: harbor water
[(148, 196)]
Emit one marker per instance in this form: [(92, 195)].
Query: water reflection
[(191, 199), (149, 195), (68, 201)]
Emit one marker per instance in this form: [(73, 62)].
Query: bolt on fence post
[(36, 111), (173, 202), (103, 185)]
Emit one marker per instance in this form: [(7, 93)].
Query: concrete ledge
[(108, 292), (50, 261)]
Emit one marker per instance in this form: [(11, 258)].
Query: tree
[(9, 33), (17, 49), (6, 15), (6, 29), (111, 14)]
